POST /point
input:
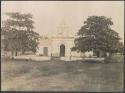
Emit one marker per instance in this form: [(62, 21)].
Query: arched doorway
[(62, 50)]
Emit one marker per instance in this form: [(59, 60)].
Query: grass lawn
[(20, 75)]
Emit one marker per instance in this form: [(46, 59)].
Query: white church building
[(59, 44)]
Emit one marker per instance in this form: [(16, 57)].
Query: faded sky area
[(49, 14)]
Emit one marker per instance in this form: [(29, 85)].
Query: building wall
[(44, 43), (54, 48), (68, 43), (40, 51)]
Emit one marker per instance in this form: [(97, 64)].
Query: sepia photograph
[(62, 46)]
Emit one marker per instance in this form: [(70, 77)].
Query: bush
[(114, 58)]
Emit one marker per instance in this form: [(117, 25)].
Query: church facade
[(59, 44), (56, 46)]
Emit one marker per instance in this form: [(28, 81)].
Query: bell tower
[(63, 29)]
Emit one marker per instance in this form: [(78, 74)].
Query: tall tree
[(96, 35), (19, 34)]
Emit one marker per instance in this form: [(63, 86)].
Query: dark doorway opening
[(45, 51), (62, 50)]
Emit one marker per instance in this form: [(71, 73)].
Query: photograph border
[(65, 91)]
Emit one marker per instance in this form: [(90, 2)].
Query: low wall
[(79, 58), (33, 57), (47, 58)]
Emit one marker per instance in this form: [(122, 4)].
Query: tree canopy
[(18, 33), (97, 35)]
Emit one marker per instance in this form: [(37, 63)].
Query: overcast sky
[(49, 14)]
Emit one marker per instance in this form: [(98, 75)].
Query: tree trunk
[(16, 53), (110, 54), (23, 51), (105, 54)]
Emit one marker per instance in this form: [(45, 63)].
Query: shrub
[(114, 58)]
